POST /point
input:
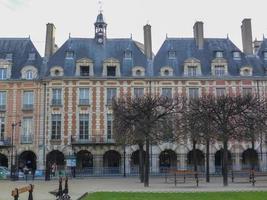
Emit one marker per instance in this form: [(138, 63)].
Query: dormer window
[(69, 55), (31, 56), (246, 71), (128, 55), (111, 70), (172, 55), (219, 54), (236, 55), (29, 75), (84, 70), (192, 70), (138, 72), (265, 55), (166, 72), (57, 72), (219, 70), (3, 73), (9, 56)]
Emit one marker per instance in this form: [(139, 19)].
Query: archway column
[(212, 163)]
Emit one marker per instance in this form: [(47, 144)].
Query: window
[(109, 126), (172, 55), (219, 54), (56, 99), (246, 72), (31, 56), (2, 128), (69, 55), (28, 100), (111, 93), (192, 70), (84, 96), (27, 130), (9, 56), (138, 92), (166, 72), (111, 70), (3, 73), (166, 92), (2, 100), (84, 70), (247, 91), (128, 55), (220, 92), (56, 127), (29, 75), (219, 70), (84, 127), (265, 55), (57, 72), (236, 55), (138, 72), (193, 93)]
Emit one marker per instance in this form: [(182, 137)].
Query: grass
[(177, 196)]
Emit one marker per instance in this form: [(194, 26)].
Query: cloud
[(13, 4)]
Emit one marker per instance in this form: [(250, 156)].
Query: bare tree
[(144, 119)]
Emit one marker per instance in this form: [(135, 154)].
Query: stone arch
[(84, 160), (218, 160), (200, 160), (135, 161), (3, 160), (250, 159), (167, 160), (112, 162), (57, 157), (28, 159)]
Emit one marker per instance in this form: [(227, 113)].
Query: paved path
[(78, 187)]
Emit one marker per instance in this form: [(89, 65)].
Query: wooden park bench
[(241, 176), (17, 191), (185, 174), (256, 176)]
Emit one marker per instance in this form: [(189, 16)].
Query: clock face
[(100, 40)]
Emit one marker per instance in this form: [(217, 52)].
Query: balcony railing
[(27, 107), (2, 107), (26, 139), (92, 139), (56, 102), (5, 142), (84, 102)]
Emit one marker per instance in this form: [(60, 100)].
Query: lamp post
[(13, 166)]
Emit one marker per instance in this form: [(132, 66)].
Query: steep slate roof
[(186, 48), (260, 53), (89, 48), (20, 49)]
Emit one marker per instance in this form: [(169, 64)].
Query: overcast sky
[(21, 18)]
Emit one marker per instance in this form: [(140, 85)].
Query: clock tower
[(100, 29)]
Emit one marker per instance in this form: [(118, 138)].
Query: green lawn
[(178, 196)]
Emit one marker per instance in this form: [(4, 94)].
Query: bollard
[(66, 190), (59, 193), (30, 192), (16, 197)]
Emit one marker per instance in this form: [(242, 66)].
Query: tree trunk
[(252, 161), (207, 160), (141, 163), (146, 179), (194, 155), (225, 163)]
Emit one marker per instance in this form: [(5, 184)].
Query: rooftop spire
[(100, 28)]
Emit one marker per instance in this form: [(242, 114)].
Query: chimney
[(199, 34), (50, 46), (148, 41), (247, 36)]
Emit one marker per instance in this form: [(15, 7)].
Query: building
[(63, 99)]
